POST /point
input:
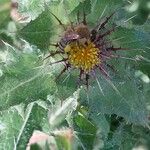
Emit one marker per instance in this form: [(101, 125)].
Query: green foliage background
[(72, 118)]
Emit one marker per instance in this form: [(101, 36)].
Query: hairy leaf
[(10, 123), (39, 31), (126, 98), (33, 120), (86, 131), (31, 8), (22, 80)]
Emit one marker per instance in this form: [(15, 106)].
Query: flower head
[(83, 55), (86, 49)]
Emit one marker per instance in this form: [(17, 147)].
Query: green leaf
[(137, 40), (140, 10), (131, 38), (36, 7), (126, 98), (10, 123), (35, 114), (6, 38), (32, 8), (4, 13), (59, 112), (122, 139), (66, 85), (18, 124), (84, 6), (103, 129), (23, 80), (101, 8), (142, 134), (35, 147), (128, 137), (70, 5), (39, 31), (86, 131), (144, 67)]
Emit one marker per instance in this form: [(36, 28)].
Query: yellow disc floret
[(83, 55)]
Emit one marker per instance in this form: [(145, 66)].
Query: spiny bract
[(86, 49)]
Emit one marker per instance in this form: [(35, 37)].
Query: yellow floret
[(83, 55)]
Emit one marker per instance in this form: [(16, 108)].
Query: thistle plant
[(74, 75)]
